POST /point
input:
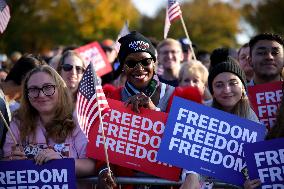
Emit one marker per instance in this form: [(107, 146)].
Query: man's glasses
[(144, 62), (48, 90), (69, 67)]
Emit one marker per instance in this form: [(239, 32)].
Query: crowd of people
[(38, 97)]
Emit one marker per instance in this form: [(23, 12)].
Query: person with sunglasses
[(137, 57), (44, 127), (71, 68)]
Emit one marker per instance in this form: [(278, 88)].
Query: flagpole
[(101, 120), (9, 130), (187, 36)]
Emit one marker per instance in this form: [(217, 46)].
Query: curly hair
[(62, 123)]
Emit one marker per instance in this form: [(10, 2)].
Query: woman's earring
[(244, 94)]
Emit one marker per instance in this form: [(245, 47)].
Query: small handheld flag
[(4, 15)]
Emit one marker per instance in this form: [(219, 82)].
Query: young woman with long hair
[(45, 122)]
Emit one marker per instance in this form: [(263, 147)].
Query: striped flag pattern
[(173, 10), (90, 97), (173, 13), (4, 15)]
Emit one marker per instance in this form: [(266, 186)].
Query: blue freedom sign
[(265, 160), (207, 141), (26, 174)]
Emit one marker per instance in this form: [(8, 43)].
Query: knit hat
[(135, 42), (228, 66)]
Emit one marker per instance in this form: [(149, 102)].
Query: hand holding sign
[(140, 100), (46, 155), (265, 160), (251, 184), (207, 141), (17, 153), (132, 140)]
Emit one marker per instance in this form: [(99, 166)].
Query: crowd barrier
[(146, 182)]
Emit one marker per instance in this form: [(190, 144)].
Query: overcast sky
[(149, 7)]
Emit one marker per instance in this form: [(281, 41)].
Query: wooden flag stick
[(187, 36), (9, 130), (101, 120)]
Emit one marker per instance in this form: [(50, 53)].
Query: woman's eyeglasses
[(48, 90), (144, 62), (69, 67)]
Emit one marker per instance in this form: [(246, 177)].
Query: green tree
[(36, 25), (266, 16), (210, 24)]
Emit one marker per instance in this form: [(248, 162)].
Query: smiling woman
[(44, 127), (227, 84), (71, 68), (137, 56)]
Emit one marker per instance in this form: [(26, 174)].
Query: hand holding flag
[(91, 101)]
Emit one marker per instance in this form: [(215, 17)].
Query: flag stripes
[(4, 15), (90, 97), (174, 11)]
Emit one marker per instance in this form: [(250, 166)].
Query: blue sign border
[(196, 164)]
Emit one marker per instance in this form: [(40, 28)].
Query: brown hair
[(62, 123), (241, 109)]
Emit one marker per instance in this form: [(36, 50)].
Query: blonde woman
[(195, 74), (71, 68)]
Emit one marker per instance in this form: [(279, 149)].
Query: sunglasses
[(69, 67), (144, 62)]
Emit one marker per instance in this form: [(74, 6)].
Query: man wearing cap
[(266, 58), (187, 54), (137, 56)]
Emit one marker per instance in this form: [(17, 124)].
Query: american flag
[(4, 15), (90, 100), (173, 13)]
